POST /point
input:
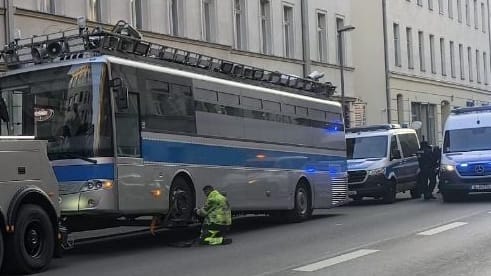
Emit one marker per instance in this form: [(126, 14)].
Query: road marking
[(336, 260), (442, 228)]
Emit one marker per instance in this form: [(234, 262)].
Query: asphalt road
[(410, 237)]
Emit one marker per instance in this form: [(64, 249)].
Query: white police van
[(466, 153), (382, 161)]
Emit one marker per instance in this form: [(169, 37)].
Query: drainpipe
[(386, 57), (9, 20), (305, 38)]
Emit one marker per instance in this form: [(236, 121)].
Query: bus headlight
[(97, 184)]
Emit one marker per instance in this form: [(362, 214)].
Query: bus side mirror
[(120, 93)]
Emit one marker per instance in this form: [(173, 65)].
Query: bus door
[(136, 193)]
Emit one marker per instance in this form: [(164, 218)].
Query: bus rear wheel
[(31, 246), (302, 209), (181, 202)]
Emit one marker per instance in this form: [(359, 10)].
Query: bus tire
[(31, 246), (181, 201), (302, 209)]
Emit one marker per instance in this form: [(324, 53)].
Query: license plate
[(351, 193), (481, 187)]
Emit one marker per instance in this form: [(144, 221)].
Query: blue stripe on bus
[(211, 155), (84, 172)]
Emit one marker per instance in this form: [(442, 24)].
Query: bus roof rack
[(373, 128), (125, 41), (474, 109)]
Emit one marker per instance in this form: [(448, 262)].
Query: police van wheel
[(415, 193), (303, 204), (451, 196), (31, 246), (390, 194)]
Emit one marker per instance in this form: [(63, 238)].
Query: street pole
[(341, 64), (341, 30)]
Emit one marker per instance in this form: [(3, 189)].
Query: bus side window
[(128, 129)]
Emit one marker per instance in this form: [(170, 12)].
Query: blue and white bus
[(269, 150)]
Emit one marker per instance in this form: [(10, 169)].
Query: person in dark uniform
[(427, 177), (437, 157)]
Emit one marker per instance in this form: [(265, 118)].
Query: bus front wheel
[(302, 204), (31, 246), (182, 201)]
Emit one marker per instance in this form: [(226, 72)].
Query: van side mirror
[(395, 154), (120, 93)]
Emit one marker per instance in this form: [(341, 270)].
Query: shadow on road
[(370, 202), (144, 241)]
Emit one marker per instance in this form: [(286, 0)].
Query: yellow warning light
[(156, 193), (107, 185)]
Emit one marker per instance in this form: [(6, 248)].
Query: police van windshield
[(468, 139), (68, 106), (367, 147)]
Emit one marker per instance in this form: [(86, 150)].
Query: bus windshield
[(467, 139), (367, 147), (68, 106)]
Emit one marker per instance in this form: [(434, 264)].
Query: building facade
[(420, 59), (294, 36)]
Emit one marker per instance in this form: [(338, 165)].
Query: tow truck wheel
[(31, 246), (1, 249)]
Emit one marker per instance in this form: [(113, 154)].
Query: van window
[(409, 144), (393, 145), (467, 139)]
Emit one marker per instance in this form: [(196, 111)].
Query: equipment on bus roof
[(125, 41), (475, 109), (373, 128)]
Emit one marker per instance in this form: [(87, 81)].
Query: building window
[(208, 17), (440, 6), (94, 12), (459, 10), (420, 3), (136, 13), (47, 6), (426, 114), (469, 62), (461, 59), (452, 59), (483, 18), (266, 27), (485, 62), (288, 30), (421, 46), (450, 8), (467, 13), (397, 45), (400, 109), (476, 18), (430, 5), (478, 66), (176, 18), (409, 39), (340, 24), (443, 59), (240, 24), (432, 54), (322, 36)]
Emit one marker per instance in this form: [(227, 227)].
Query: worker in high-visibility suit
[(217, 218)]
